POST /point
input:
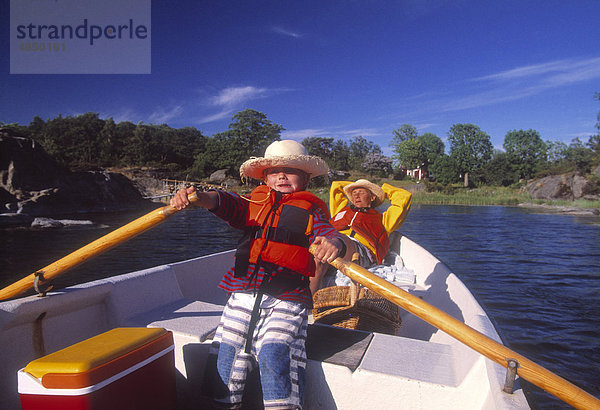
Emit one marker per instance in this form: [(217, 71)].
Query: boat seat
[(192, 318), (436, 363), (369, 352), (336, 345)]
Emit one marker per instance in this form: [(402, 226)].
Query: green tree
[(405, 150), (15, 129), (215, 156), (411, 153), (556, 151), (252, 132), (320, 147), (87, 141), (594, 141), (564, 158), (445, 170), (359, 148), (188, 142), (107, 152), (36, 126), (499, 171), (470, 148), (87, 130), (139, 148), (249, 134), (526, 151), (404, 133), (580, 156), (72, 141), (340, 155), (433, 145), (415, 151), (123, 135)]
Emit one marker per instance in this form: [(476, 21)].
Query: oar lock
[(511, 375), (39, 276)]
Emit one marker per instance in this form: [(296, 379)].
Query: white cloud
[(305, 133), (122, 115), (233, 96), (286, 32), (363, 132), (425, 126), (525, 81), (215, 117), (575, 69), (334, 132), (162, 116), (232, 99)]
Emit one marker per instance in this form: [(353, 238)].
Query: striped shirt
[(233, 209)]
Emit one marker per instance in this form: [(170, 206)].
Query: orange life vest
[(368, 224), (278, 231)]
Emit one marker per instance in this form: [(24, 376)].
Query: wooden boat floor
[(337, 345)]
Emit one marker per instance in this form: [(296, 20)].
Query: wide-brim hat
[(285, 153), (363, 183)]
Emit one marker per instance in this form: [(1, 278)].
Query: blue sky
[(345, 68)]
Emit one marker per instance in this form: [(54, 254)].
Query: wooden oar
[(95, 248), (479, 342)]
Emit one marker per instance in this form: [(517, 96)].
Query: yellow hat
[(373, 188)]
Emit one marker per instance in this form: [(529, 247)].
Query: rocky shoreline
[(561, 209), (35, 191), (33, 185)]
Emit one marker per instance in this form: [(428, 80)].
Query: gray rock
[(218, 177), (32, 183), (230, 182), (579, 186), (566, 186), (46, 223)]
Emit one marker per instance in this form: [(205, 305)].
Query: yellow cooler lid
[(96, 351)]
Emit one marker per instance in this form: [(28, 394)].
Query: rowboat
[(445, 354), (420, 367)]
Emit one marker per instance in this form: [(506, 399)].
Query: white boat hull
[(420, 368)]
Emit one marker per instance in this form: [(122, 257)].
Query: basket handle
[(354, 287)]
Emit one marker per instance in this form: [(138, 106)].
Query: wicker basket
[(355, 307)]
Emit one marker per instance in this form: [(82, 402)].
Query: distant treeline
[(89, 142)]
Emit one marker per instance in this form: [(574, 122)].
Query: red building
[(417, 173)]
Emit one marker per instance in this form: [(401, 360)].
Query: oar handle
[(479, 342), (93, 249)]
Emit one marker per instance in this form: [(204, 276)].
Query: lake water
[(536, 274)]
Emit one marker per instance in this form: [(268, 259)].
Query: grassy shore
[(495, 196), (478, 196), (458, 195)]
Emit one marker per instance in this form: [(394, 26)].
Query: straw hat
[(285, 153), (373, 188)]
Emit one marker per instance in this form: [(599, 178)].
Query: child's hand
[(326, 250), (180, 200)]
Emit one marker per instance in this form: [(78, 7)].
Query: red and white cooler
[(124, 368)]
